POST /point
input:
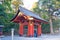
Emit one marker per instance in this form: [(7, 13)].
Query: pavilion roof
[(28, 13)]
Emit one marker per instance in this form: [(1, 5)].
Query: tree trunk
[(51, 26)]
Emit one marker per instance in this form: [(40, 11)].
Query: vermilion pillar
[(39, 31), (21, 29), (30, 29)]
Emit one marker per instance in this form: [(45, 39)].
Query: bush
[(45, 28)]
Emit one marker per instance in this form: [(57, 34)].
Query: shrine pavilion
[(29, 22)]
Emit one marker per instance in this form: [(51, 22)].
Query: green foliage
[(8, 24), (6, 14), (56, 24), (7, 5), (43, 14), (2, 14), (45, 28), (43, 9), (2, 11)]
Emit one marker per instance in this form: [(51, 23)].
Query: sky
[(28, 3)]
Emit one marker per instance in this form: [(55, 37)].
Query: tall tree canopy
[(6, 8), (48, 9)]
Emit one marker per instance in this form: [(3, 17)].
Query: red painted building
[(29, 22)]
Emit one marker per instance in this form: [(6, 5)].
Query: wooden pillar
[(21, 29), (30, 29), (39, 31)]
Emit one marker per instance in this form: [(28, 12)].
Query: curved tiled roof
[(28, 13)]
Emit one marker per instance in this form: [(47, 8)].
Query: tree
[(50, 5), (16, 4), (47, 9), (2, 13), (38, 10), (7, 5), (5, 8)]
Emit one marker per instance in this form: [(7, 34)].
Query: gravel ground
[(42, 37)]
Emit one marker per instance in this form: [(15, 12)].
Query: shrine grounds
[(42, 37)]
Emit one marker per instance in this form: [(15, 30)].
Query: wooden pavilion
[(29, 22)]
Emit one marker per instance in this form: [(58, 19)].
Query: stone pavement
[(42, 37)]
